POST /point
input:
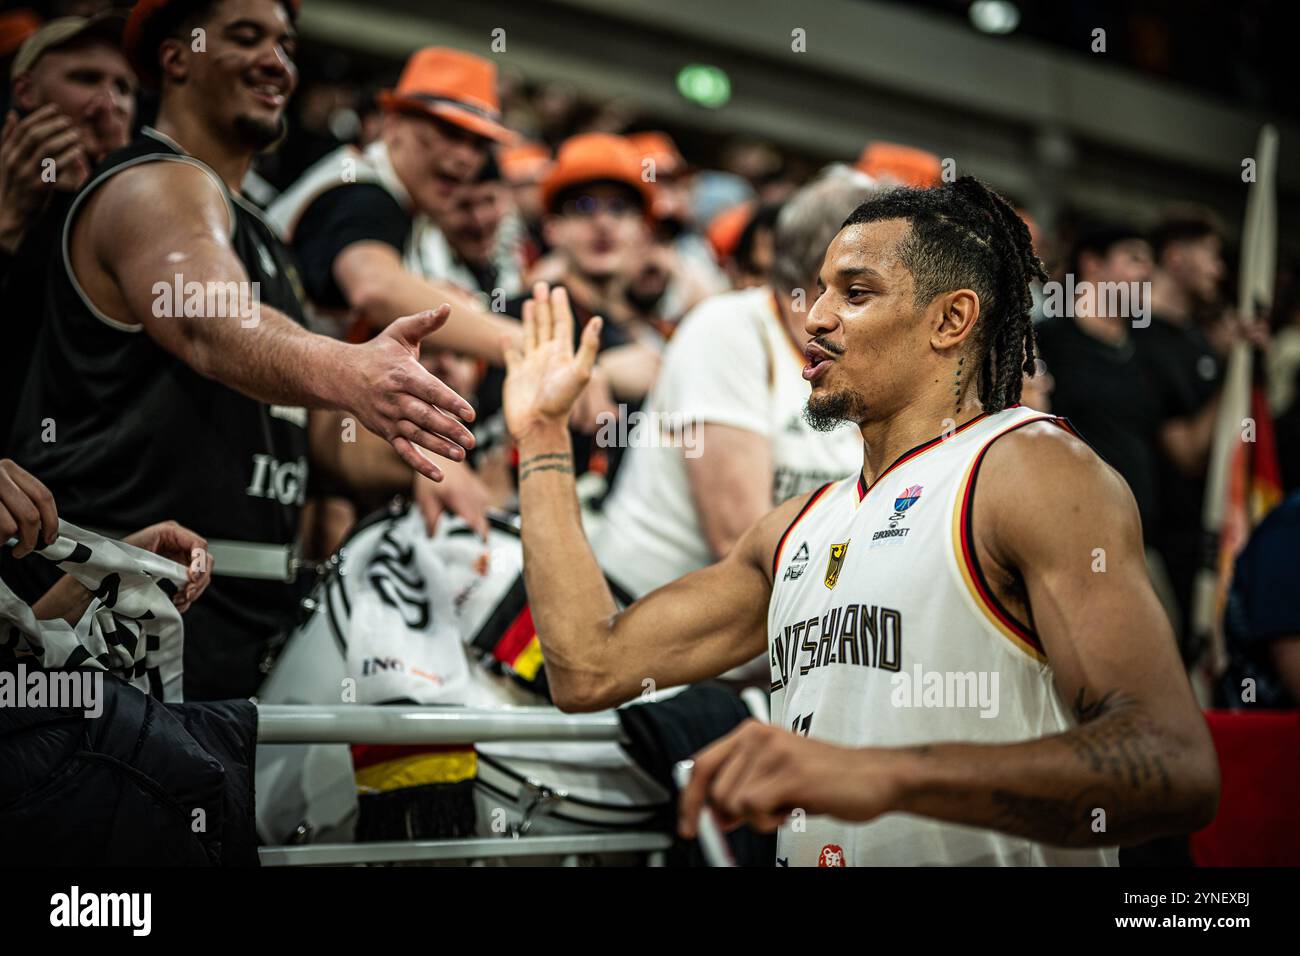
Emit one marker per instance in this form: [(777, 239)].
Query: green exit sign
[(704, 85)]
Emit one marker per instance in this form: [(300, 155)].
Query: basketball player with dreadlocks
[(968, 663)]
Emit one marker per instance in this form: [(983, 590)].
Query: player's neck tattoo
[(556, 461), (956, 382)]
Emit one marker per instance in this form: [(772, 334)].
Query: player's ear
[(953, 315), (173, 59)]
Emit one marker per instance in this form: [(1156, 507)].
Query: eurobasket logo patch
[(906, 498), (835, 563), (893, 534)]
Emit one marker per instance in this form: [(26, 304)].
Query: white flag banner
[(131, 628), (403, 638)]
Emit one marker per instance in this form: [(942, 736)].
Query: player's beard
[(260, 134), (826, 412)]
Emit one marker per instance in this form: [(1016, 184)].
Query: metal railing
[(369, 724), (568, 848)]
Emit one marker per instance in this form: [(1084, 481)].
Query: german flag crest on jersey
[(835, 563)]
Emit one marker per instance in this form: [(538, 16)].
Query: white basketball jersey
[(882, 632)]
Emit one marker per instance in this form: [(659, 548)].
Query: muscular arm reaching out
[(125, 243), (596, 656)]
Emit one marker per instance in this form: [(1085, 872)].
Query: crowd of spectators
[(463, 184)]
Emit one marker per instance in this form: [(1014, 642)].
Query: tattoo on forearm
[(1127, 754), (1124, 748), (1051, 819), (556, 461)]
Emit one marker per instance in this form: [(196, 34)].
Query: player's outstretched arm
[(1140, 764), (143, 246), (597, 656)]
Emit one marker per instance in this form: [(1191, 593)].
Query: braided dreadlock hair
[(965, 236)]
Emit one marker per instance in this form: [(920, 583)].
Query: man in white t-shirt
[(723, 437)]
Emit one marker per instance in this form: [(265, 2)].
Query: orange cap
[(727, 227), (140, 43), (452, 85), (15, 27), (902, 164), (659, 147), (596, 157), (524, 163)]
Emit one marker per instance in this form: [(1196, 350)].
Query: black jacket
[(144, 783)]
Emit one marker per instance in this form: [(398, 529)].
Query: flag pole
[(1226, 517)]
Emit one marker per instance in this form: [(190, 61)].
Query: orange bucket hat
[(454, 86), (592, 158), (903, 164)]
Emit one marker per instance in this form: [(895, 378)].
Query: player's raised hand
[(544, 375), (398, 399)]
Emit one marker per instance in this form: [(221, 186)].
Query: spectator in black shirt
[(73, 101), (1090, 352), (360, 222), (1185, 372)]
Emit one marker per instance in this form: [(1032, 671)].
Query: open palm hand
[(545, 376)]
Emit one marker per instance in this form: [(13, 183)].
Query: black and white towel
[(131, 628)]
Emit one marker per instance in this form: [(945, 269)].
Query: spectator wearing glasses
[(598, 218), (597, 223)]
